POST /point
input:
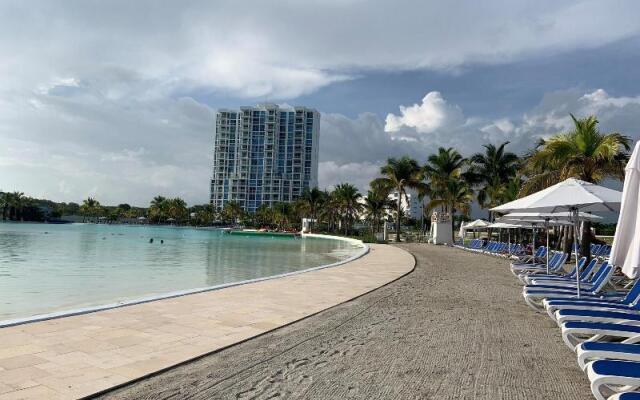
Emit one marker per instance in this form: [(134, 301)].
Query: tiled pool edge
[(180, 293)]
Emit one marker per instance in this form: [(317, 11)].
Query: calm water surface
[(46, 268)]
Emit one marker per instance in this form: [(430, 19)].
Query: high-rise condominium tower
[(264, 155)]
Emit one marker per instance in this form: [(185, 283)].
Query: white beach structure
[(572, 195), (625, 251), (441, 231)]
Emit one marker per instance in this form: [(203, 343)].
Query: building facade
[(264, 155), (411, 204)]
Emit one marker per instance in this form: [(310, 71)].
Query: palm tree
[(17, 201), (264, 215), (455, 195), (377, 205), (281, 212), (177, 209), (583, 153), (511, 190), (158, 208), (312, 201), (448, 184), (441, 169), (442, 166), (347, 199), (329, 211), (400, 174), (232, 211), (491, 170), (89, 208), (4, 204)]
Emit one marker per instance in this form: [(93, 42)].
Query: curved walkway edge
[(78, 356)]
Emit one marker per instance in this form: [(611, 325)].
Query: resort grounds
[(454, 328)]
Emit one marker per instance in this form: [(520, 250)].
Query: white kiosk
[(307, 223), (441, 232)]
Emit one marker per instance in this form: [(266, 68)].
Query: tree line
[(495, 176)]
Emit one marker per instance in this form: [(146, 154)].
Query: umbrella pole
[(509, 241), (546, 222), (575, 235), (533, 245)]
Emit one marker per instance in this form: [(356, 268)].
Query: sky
[(117, 99)]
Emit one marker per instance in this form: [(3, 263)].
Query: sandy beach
[(455, 328)]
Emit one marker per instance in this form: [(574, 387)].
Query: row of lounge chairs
[(602, 326), (515, 249), (496, 248)]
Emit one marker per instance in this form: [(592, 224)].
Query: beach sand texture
[(455, 328)]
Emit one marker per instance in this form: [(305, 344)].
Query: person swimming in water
[(151, 240)]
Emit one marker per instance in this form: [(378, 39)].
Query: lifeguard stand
[(441, 228)]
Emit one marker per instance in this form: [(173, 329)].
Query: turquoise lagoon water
[(50, 268)]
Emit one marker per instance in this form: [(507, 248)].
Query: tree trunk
[(585, 240), (398, 216), (453, 235), (559, 237), (568, 239)]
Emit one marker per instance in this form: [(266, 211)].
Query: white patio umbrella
[(571, 195), (504, 225), (625, 251), (548, 219), (477, 224), (541, 216)]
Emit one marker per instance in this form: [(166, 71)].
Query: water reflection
[(84, 265)]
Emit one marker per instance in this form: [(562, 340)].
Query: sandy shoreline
[(450, 329)]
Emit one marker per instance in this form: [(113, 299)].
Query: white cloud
[(432, 114), (131, 150), (359, 174), (284, 49), (118, 150), (353, 149), (100, 98)]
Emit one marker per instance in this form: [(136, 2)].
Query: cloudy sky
[(117, 99)]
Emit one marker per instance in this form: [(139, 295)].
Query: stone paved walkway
[(80, 355), (455, 328)]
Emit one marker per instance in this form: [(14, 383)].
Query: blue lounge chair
[(544, 279), (631, 299), (626, 396), (611, 377), (586, 286), (534, 296), (556, 262), (630, 315), (529, 260), (576, 332), (591, 351)]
